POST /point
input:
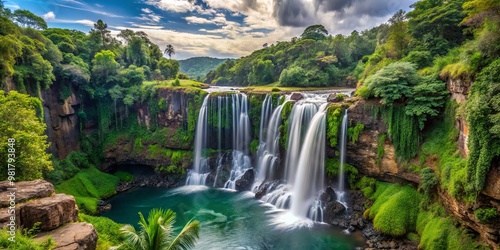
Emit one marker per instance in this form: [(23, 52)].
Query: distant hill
[(198, 67)]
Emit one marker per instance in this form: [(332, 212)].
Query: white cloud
[(147, 10), (88, 10), (73, 1), (85, 22), (12, 6), (49, 16), (172, 5), (149, 16)]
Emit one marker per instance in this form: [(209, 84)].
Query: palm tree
[(158, 232), (169, 50)]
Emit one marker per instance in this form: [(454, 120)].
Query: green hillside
[(198, 67)]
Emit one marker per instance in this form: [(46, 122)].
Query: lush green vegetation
[(88, 186), (107, 230), (198, 67), (333, 122), (157, 232), (22, 133), (24, 241), (332, 166), (396, 211), (314, 59), (124, 176)]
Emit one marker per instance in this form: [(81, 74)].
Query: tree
[(315, 32), (102, 28), (27, 19), (116, 92), (398, 36), (169, 50), (104, 67), (21, 119), (158, 232)]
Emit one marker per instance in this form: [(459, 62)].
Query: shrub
[(107, 230), (354, 132), (124, 176), (486, 215), (176, 83)]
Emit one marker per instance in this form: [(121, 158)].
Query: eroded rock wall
[(61, 117)]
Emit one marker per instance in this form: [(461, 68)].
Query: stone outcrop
[(52, 212), (296, 96), (26, 190), (61, 117), (74, 236), (489, 232), (459, 89), (56, 213)]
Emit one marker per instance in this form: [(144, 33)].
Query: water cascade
[(304, 162), (343, 145), (268, 151), (241, 139), (309, 180), (198, 175), (292, 182)]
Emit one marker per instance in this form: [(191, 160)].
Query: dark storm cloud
[(298, 13), (332, 5), (291, 13)]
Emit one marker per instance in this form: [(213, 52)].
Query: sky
[(215, 28)]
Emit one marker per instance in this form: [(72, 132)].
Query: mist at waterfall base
[(229, 220)]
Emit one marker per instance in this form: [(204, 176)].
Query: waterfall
[(309, 180), (343, 145), (268, 151), (301, 115), (241, 139), (198, 175)]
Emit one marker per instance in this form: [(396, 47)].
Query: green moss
[(440, 233), (88, 186), (107, 230), (283, 128), (124, 176), (486, 215), (403, 131), (332, 166), (395, 209), (354, 132), (254, 145), (366, 185), (333, 121)]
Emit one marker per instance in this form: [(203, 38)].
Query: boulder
[(328, 195), (25, 191), (51, 212), (334, 208), (296, 96), (245, 182), (74, 236), (334, 97)]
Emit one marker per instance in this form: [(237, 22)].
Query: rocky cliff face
[(37, 203), (62, 121), (459, 90), (363, 155)]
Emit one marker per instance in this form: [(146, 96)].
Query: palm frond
[(187, 237), (132, 238)]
